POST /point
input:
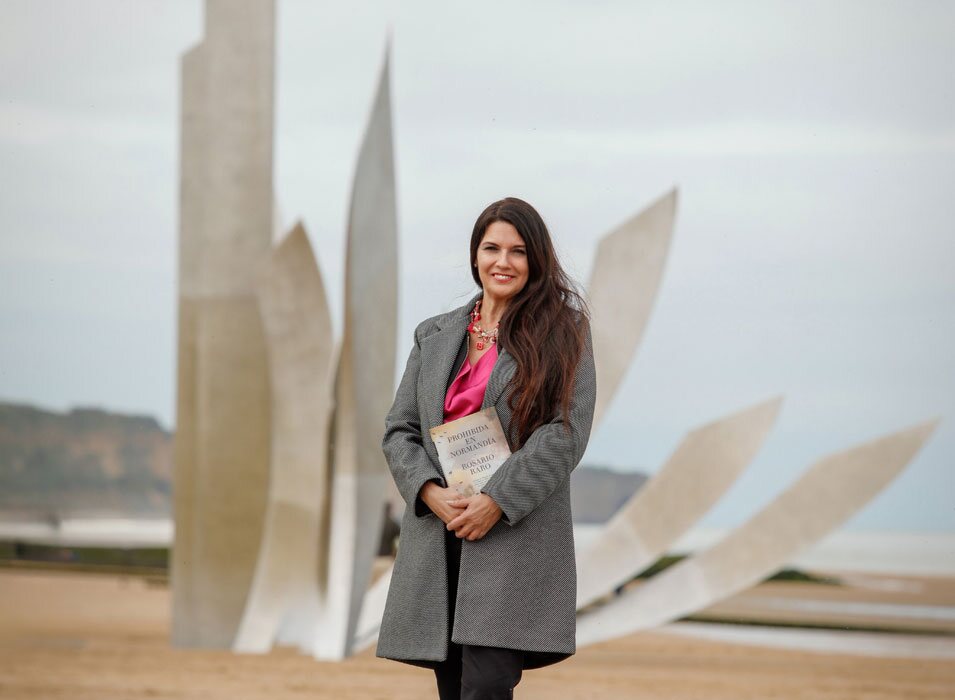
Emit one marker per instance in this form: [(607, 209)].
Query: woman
[(485, 586)]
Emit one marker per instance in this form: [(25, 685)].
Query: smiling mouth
[(502, 278)]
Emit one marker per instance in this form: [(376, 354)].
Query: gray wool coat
[(518, 584)]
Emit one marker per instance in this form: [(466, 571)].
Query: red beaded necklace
[(483, 335)]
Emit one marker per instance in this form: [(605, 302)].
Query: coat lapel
[(438, 352), (504, 368)]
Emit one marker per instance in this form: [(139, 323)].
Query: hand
[(480, 514), (438, 499)]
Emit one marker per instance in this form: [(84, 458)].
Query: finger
[(460, 527)]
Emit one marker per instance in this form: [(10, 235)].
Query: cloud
[(44, 127)]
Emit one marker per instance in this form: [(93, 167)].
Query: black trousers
[(474, 672)]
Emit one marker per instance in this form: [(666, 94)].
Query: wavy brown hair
[(541, 326)]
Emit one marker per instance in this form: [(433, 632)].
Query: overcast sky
[(813, 145)]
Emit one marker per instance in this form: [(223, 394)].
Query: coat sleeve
[(546, 459), (410, 465)]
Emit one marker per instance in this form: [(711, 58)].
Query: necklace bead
[(489, 336)]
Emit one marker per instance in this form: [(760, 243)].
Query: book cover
[(471, 449)]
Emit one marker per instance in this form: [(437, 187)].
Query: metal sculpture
[(288, 593), (691, 481), (624, 282), (279, 477), (823, 497), (223, 408)]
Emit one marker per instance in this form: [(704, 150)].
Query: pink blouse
[(466, 393)]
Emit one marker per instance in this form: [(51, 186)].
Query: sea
[(915, 553)]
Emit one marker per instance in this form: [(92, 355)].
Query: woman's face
[(502, 261)]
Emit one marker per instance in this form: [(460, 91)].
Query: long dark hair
[(543, 324)]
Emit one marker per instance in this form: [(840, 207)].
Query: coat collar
[(438, 352)]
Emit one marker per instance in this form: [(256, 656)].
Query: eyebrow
[(522, 246)]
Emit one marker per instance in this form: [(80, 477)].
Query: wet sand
[(97, 637)]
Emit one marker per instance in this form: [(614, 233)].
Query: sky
[(812, 145)]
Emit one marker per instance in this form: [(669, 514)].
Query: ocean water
[(917, 553), (79, 532)]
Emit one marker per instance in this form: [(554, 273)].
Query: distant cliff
[(596, 493), (87, 461), (90, 462)]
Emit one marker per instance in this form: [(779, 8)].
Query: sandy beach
[(99, 637)]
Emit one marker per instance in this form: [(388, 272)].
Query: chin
[(505, 293)]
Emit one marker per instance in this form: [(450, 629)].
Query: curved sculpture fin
[(826, 495), (623, 286), (366, 373), (283, 601), (700, 470)]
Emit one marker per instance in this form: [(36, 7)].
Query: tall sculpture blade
[(694, 478), (225, 231), (365, 377), (825, 495), (286, 596), (623, 287)]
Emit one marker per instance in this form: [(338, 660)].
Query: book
[(470, 450)]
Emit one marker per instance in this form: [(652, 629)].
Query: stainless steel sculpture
[(278, 506), (327, 499), (822, 498), (700, 470), (279, 477), (366, 373), (288, 592), (222, 446), (624, 282)]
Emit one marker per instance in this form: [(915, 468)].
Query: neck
[(492, 309)]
